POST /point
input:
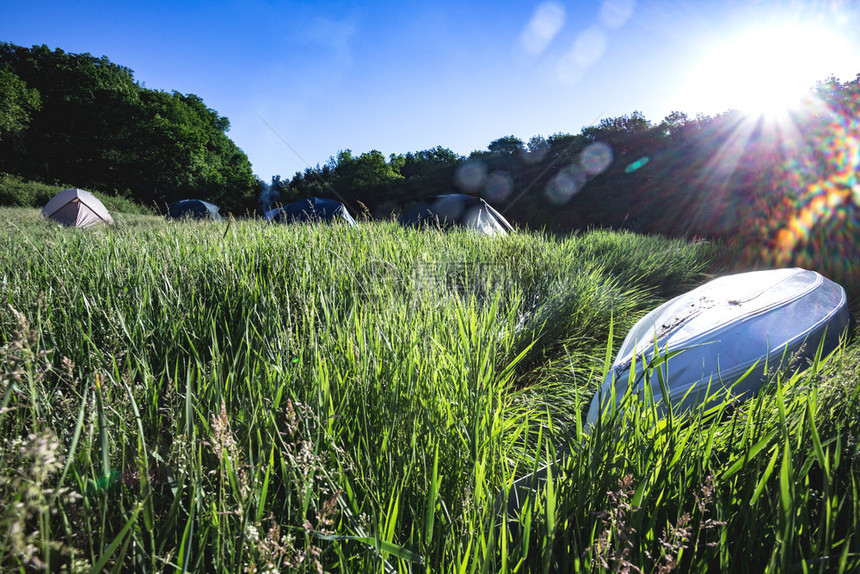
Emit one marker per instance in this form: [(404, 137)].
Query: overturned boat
[(725, 337)]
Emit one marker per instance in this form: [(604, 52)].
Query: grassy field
[(252, 398)]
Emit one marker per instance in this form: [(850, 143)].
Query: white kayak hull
[(756, 322)]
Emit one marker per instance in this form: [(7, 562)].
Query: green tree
[(97, 128), (84, 105), (508, 145), (368, 178), (673, 125), (633, 123), (183, 151), (311, 182), (426, 172), (429, 162), (624, 134), (17, 102), (538, 145), (505, 155), (564, 147)]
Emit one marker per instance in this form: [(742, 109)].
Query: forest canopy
[(80, 120)]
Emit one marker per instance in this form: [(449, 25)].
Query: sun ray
[(769, 70)]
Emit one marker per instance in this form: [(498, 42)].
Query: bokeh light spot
[(567, 183), (586, 51), (639, 163), (616, 13), (595, 158), (498, 186), (545, 24), (471, 175)]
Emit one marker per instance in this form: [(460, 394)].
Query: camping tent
[(457, 210), (193, 209), (76, 208), (310, 209)]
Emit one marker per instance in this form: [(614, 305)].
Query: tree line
[(82, 120), (75, 118), (726, 175)]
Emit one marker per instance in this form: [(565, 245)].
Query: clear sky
[(300, 81)]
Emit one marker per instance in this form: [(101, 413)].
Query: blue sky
[(300, 81)]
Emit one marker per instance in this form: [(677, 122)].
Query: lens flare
[(810, 216), (636, 165), (828, 204), (470, 176), (567, 183), (596, 158), (616, 13), (587, 49), (545, 24), (498, 186)]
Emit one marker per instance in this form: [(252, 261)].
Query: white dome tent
[(457, 210), (76, 208)]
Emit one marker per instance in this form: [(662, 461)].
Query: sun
[(767, 71)]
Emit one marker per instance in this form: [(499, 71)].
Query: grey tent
[(76, 208), (310, 209), (193, 209), (457, 210)]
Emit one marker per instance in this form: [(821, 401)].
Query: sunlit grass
[(239, 396)]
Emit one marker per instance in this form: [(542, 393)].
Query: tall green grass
[(244, 397)]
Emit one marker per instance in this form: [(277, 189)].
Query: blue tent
[(310, 209), (193, 209)]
